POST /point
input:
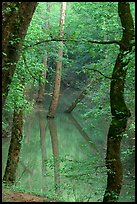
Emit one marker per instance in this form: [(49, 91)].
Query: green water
[(64, 164)]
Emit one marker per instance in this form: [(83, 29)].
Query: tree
[(77, 100), (119, 110), (55, 97), (19, 104), (14, 149), (15, 22), (84, 53)]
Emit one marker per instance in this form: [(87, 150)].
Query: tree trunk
[(16, 19), (15, 143), (77, 100), (14, 149), (119, 110), (56, 92)]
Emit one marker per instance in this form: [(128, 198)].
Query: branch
[(37, 43), (105, 42), (100, 73), (73, 40)]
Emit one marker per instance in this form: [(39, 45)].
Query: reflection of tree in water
[(82, 132), (43, 147), (55, 149)]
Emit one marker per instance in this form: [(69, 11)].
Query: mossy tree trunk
[(119, 110), (16, 17)]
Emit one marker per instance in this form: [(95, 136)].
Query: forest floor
[(11, 196)]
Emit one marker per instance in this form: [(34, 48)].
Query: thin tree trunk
[(56, 92), (77, 100), (119, 110), (16, 17)]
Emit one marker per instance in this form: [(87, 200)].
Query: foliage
[(84, 21), (79, 57)]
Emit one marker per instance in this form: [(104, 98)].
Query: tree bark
[(15, 143), (119, 110), (56, 92), (16, 17)]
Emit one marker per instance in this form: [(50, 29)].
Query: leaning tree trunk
[(77, 100), (119, 110), (56, 92), (16, 17)]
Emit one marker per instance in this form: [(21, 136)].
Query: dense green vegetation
[(87, 62), (84, 21)]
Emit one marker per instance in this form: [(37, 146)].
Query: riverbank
[(12, 196)]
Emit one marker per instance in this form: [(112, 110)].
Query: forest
[(68, 102)]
